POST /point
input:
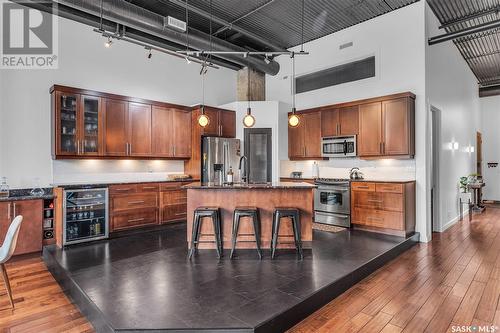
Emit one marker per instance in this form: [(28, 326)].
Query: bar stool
[(252, 212), (214, 214), (294, 214)]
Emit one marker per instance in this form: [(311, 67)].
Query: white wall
[(490, 119), (85, 63), (397, 40), (268, 114), (452, 88)]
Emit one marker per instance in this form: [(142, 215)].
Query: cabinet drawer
[(123, 189), (389, 188), (378, 201), (174, 197), (363, 187), (173, 212), (170, 186), (134, 201), (378, 218), (134, 219), (148, 187)]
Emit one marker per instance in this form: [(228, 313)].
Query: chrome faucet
[(244, 175)]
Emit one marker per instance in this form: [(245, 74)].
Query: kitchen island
[(265, 197)]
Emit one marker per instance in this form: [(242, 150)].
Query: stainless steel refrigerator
[(218, 155)]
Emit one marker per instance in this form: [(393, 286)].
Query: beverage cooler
[(85, 215)]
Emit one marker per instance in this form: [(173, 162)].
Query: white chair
[(7, 249)]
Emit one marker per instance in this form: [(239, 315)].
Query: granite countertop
[(24, 194), (106, 184), (243, 186)]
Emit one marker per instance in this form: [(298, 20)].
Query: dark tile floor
[(146, 281)]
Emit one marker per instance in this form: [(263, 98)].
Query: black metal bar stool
[(294, 214), (214, 214), (252, 212)]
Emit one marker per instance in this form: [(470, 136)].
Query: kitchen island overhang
[(265, 197)]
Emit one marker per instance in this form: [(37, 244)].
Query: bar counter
[(263, 196)]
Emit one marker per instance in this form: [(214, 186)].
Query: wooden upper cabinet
[(91, 127), (304, 141), (312, 134), (182, 133), (163, 131), (115, 127), (329, 122), (139, 130), (227, 122), (349, 120), (370, 129), (296, 142), (398, 124), (66, 120)]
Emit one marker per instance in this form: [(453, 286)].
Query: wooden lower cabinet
[(384, 207), (30, 234), (146, 204)]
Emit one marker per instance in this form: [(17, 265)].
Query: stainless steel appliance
[(85, 216), (338, 146), (332, 202), (218, 155)]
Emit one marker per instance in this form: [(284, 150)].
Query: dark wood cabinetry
[(100, 125), (146, 204), (30, 234), (384, 207), (304, 141), (340, 121), (387, 128)]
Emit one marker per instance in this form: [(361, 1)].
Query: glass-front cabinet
[(78, 121)]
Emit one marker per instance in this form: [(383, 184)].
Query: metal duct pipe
[(138, 18), (91, 20), (464, 32)]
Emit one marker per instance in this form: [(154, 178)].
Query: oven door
[(332, 199)]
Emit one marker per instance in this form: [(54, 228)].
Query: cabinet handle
[(148, 187), (136, 202), (8, 212), (378, 201), (122, 189), (14, 209), (366, 187), (174, 150), (340, 129), (78, 147), (83, 146), (178, 214), (136, 220)]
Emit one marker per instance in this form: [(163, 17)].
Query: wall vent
[(353, 71), (345, 45)]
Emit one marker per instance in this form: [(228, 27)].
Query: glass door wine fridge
[(85, 215)]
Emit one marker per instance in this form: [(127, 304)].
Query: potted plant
[(463, 183)]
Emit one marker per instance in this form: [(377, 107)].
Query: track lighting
[(150, 54), (188, 60), (108, 43)]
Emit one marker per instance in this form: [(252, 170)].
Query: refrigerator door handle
[(225, 158)]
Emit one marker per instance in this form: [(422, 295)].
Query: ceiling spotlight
[(150, 54), (108, 43), (267, 60), (188, 60)]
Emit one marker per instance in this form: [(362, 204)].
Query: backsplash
[(384, 169), (109, 171)]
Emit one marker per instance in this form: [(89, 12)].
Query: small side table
[(465, 198), (477, 190)]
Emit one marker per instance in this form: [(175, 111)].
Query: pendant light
[(248, 120), (293, 119), (203, 119)]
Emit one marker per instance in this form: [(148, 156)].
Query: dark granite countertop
[(24, 194), (242, 186), (96, 185)]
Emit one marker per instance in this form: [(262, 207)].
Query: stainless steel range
[(332, 202)]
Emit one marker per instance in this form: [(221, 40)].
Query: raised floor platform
[(146, 283)]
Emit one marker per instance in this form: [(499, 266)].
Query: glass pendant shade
[(249, 120), (293, 119), (203, 119)]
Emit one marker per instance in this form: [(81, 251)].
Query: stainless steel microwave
[(338, 146)]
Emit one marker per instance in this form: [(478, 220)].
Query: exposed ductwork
[(138, 18)]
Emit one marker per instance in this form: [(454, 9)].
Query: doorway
[(479, 153), (258, 150), (435, 167)]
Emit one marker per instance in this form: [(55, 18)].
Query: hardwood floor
[(40, 304), (452, 281)]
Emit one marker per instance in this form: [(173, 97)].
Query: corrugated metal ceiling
[(480, 50), (277, 21)]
